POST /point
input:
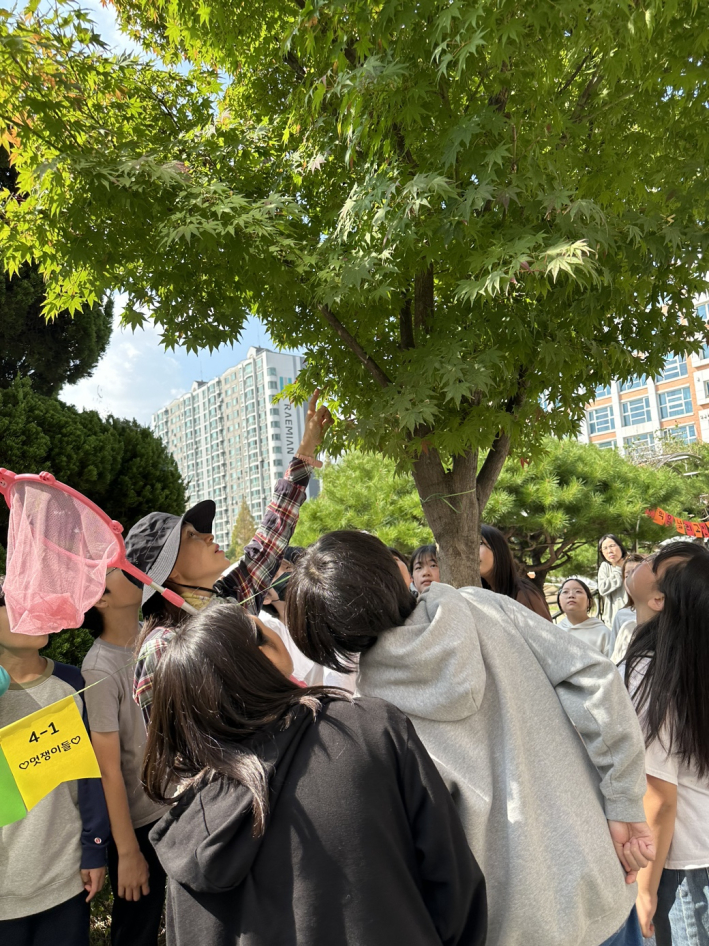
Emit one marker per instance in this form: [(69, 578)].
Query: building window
[(703, 353), (601, 420), (278, 463), (639, 440), (686, 432), (706, 389), (606, 444), (637, 381), (675, 403), (636, 411), (675, 367), (272, 385), (703, 311), (603, 390), (277, 450), (272, 372), (275, 436)]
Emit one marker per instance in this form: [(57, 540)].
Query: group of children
[(485, 786)]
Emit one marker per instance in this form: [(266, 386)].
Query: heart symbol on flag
[(23, 765), (76, 740)]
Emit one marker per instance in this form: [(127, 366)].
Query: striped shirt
[(245, 582)]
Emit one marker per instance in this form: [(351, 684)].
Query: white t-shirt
[(690, 842), (625, 635), (304, 669)]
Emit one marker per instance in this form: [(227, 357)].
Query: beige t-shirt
[(111, 708)]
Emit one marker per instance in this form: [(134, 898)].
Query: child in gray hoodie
[(531, 729)]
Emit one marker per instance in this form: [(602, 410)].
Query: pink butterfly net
[(59, 548)]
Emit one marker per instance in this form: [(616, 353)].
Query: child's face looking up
[(10, 641)]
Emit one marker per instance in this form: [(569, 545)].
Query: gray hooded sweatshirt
[(500, 697)]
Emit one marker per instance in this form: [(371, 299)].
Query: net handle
[(8, 480)]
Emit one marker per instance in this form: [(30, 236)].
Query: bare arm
[(132, 866), (660, 811)]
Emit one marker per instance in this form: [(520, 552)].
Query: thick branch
[(354, 346), (290, 59), (495, 460), (406, 323), (423, 298)]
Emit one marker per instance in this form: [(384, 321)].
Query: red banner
[(698, 530)]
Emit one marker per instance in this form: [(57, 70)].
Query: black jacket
[(363, 845)]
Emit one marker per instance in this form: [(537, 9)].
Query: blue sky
[(137, 376)]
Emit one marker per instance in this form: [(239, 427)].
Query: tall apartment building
[(230, 441), (636, 413)]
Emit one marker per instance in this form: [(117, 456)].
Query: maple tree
[(461, 211)]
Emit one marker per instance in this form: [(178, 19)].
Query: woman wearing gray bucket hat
[(182, 551)]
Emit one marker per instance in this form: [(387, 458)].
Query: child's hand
[(133, 875), (92, 880), (316, 423)]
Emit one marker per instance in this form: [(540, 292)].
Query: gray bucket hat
[(154, 542)]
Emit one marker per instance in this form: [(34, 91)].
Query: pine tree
[(242, 533)]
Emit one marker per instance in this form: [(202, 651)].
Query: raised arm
[(248, 579)]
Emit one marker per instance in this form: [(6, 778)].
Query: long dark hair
[(213, 691), (505, 575), (671, 651), (346, 589), (601, 557)]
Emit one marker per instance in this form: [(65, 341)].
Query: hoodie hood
[(589, 624), (431, 666), (206, 841)]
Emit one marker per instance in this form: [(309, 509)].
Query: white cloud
[(133, 379), (136, 376)]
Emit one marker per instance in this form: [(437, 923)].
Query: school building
[(643, 410), (230, 440)]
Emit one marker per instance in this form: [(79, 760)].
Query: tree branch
[(406, 323), (499, 451), (354, 346), (576, 71), (291, 60), (423, 298)]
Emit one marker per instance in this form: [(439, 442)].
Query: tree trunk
[(450, 505)]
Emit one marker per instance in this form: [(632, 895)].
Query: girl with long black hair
[(666, 672), (303, 817), (500, 573)]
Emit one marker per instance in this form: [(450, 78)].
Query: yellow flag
[(47, 748)]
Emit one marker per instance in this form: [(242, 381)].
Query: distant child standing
[(611, 557), (53, 860), (118, 736)]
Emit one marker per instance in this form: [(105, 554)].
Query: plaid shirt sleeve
[(154, 646), (252, 575), (246, 581)]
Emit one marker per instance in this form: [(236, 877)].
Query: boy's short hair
[(93, 622), (346, 589)]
